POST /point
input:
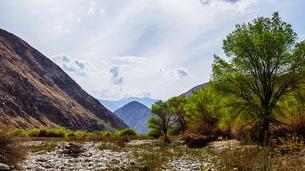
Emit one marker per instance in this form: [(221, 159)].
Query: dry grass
[(245, 159), (11, 152), (43, 147), (157, 157)]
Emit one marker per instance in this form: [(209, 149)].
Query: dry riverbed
[(134, 155)]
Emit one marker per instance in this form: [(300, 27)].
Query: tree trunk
[(263, 133)]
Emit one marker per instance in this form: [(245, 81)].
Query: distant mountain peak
[(113, 105), (135, 115)]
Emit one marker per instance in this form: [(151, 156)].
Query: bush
[(11, 152), (197, 141), (154, 133), (107, 134), (297, 126), (126, 132), (47, 133), (56, 133), (34, 133), (19, 133), (247, 134), (174, 131)]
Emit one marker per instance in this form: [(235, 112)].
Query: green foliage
[(174, 130), (106, 134), (47, 133), (60, 133), (163, 119), (202, 108), (126, 132), (34, 133), (176, 107), (154, 133), (19, 133), (266, 63)]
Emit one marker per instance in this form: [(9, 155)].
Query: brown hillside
[(35, 92)]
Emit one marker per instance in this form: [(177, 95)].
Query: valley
[(245, 111)]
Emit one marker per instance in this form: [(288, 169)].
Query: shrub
[(11, 152), (47, 133), (197, 141), (126, 132), (154, 133), (297, 126), (34, 133), (19, 133), (55, 133), (174, 131), (107, 134)]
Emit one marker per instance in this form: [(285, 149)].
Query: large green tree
[(265, 62)]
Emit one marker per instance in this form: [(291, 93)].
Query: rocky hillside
[(135, 114), (35, 92)]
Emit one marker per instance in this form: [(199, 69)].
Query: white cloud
[(72, 66), (161, 47), (91, 10)]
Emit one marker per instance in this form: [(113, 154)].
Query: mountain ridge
[(35, 92), (113, 105)]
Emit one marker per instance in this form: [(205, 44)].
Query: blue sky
[(121, 48)]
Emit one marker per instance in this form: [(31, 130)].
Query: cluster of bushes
[(70, 133)]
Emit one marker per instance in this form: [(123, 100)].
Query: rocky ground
[(103, 156)]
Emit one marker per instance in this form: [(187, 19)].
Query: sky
[(140, 48)]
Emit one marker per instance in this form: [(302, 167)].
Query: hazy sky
[(119, 48)]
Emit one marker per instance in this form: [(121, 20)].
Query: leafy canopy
[(264, 64)]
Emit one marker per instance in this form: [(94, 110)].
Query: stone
[(4, 167)]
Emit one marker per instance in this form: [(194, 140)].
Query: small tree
[(162, 119), (176, 106), (202, 109), (265, 63)]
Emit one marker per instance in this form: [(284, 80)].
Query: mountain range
[(35, 92), (113, 105), (135, 115)]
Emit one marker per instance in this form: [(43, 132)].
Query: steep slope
[(194, 89), (35, 92), (113, 105), (135, 114)]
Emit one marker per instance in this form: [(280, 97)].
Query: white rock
[(4, 167)]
